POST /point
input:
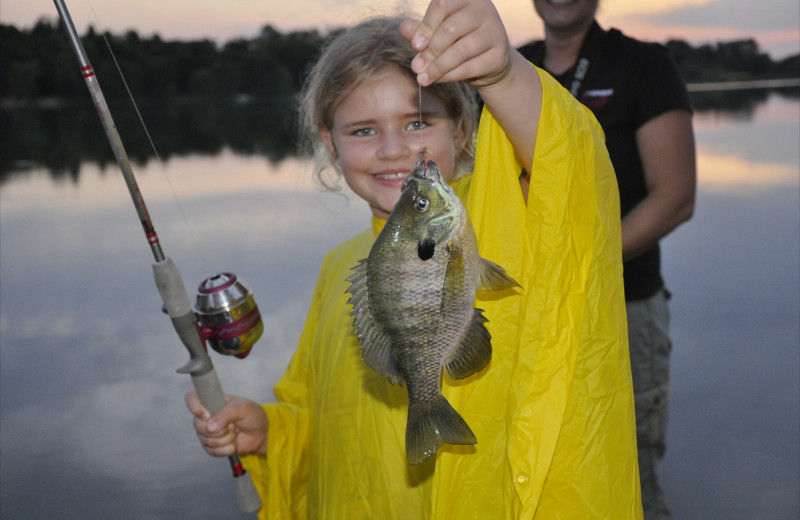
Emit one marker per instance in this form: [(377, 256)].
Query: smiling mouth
[(392, 176)]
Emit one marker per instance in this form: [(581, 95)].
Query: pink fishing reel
[(227, 315)]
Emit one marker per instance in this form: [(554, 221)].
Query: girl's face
[(376, 135)]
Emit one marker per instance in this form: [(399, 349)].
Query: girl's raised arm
[(466, 40)]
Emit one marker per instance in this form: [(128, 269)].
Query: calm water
[(93, 422)]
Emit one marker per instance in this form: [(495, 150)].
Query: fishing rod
[(227, 316)]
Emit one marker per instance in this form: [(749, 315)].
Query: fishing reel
[(227, 315)]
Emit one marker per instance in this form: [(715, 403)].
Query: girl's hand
[(459, 40), (465, 40), (238, 427)]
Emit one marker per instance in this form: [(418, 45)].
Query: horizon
[(776, 29)]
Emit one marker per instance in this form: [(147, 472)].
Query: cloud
[(651, 7), (729, 172), (745, 15)]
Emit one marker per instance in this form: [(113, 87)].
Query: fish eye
[(421, 204)]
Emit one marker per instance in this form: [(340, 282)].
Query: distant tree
[(787, 67), (723, 61), (202, 96), (744, 56), (38, 63)]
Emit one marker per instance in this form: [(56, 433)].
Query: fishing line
[(147, 133), (421, 144), (124, 82), (419, 87)]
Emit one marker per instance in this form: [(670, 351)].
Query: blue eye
[(364, 132), (417, 125)]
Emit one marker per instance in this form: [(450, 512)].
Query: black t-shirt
[(625, 83)]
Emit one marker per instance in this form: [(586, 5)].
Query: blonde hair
[(364, 51)]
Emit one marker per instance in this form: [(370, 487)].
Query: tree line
[(201, 97), (730, 61), (272, 65), (39, 63)]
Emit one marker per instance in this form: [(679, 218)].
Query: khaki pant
[(650, 347)]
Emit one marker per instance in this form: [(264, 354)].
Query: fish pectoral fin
[(376, 348), (492, 277), (432, 424), (454, 274), (473, 353)]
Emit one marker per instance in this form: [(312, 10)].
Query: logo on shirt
[(598, 97)]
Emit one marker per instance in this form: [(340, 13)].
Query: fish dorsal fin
[(375, 345), (492, 277), (473, 353)]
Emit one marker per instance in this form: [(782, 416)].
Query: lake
[(92, 416)]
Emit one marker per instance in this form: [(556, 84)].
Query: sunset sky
[(775, 24)]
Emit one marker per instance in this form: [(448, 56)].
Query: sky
[(774, 24)]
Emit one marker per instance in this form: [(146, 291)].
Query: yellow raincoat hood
[(553, 411)]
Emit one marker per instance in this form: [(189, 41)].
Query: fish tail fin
[(431, 425)]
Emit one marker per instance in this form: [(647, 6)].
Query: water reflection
[(63, 136), (92, 416), (732, 154), (60, 138), (93, 422)]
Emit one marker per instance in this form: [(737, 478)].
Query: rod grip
[(210, 392), (246, 494), (171, 288)]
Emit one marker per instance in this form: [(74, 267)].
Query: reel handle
[(204, 377)]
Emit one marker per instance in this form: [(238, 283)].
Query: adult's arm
[(667, 150)]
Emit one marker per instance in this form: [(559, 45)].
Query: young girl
[(553, 411)]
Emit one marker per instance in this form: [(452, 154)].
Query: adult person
[(637, 94), (553, 412)]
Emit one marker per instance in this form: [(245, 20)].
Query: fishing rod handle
[(210, 392), (204, 377)]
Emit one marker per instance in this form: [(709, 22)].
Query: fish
[(413, 307)]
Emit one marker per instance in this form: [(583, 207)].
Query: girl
[(553, 411)]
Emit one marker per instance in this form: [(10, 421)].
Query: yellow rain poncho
[(553, 411)]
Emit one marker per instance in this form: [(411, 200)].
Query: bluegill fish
[(413, 306)]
